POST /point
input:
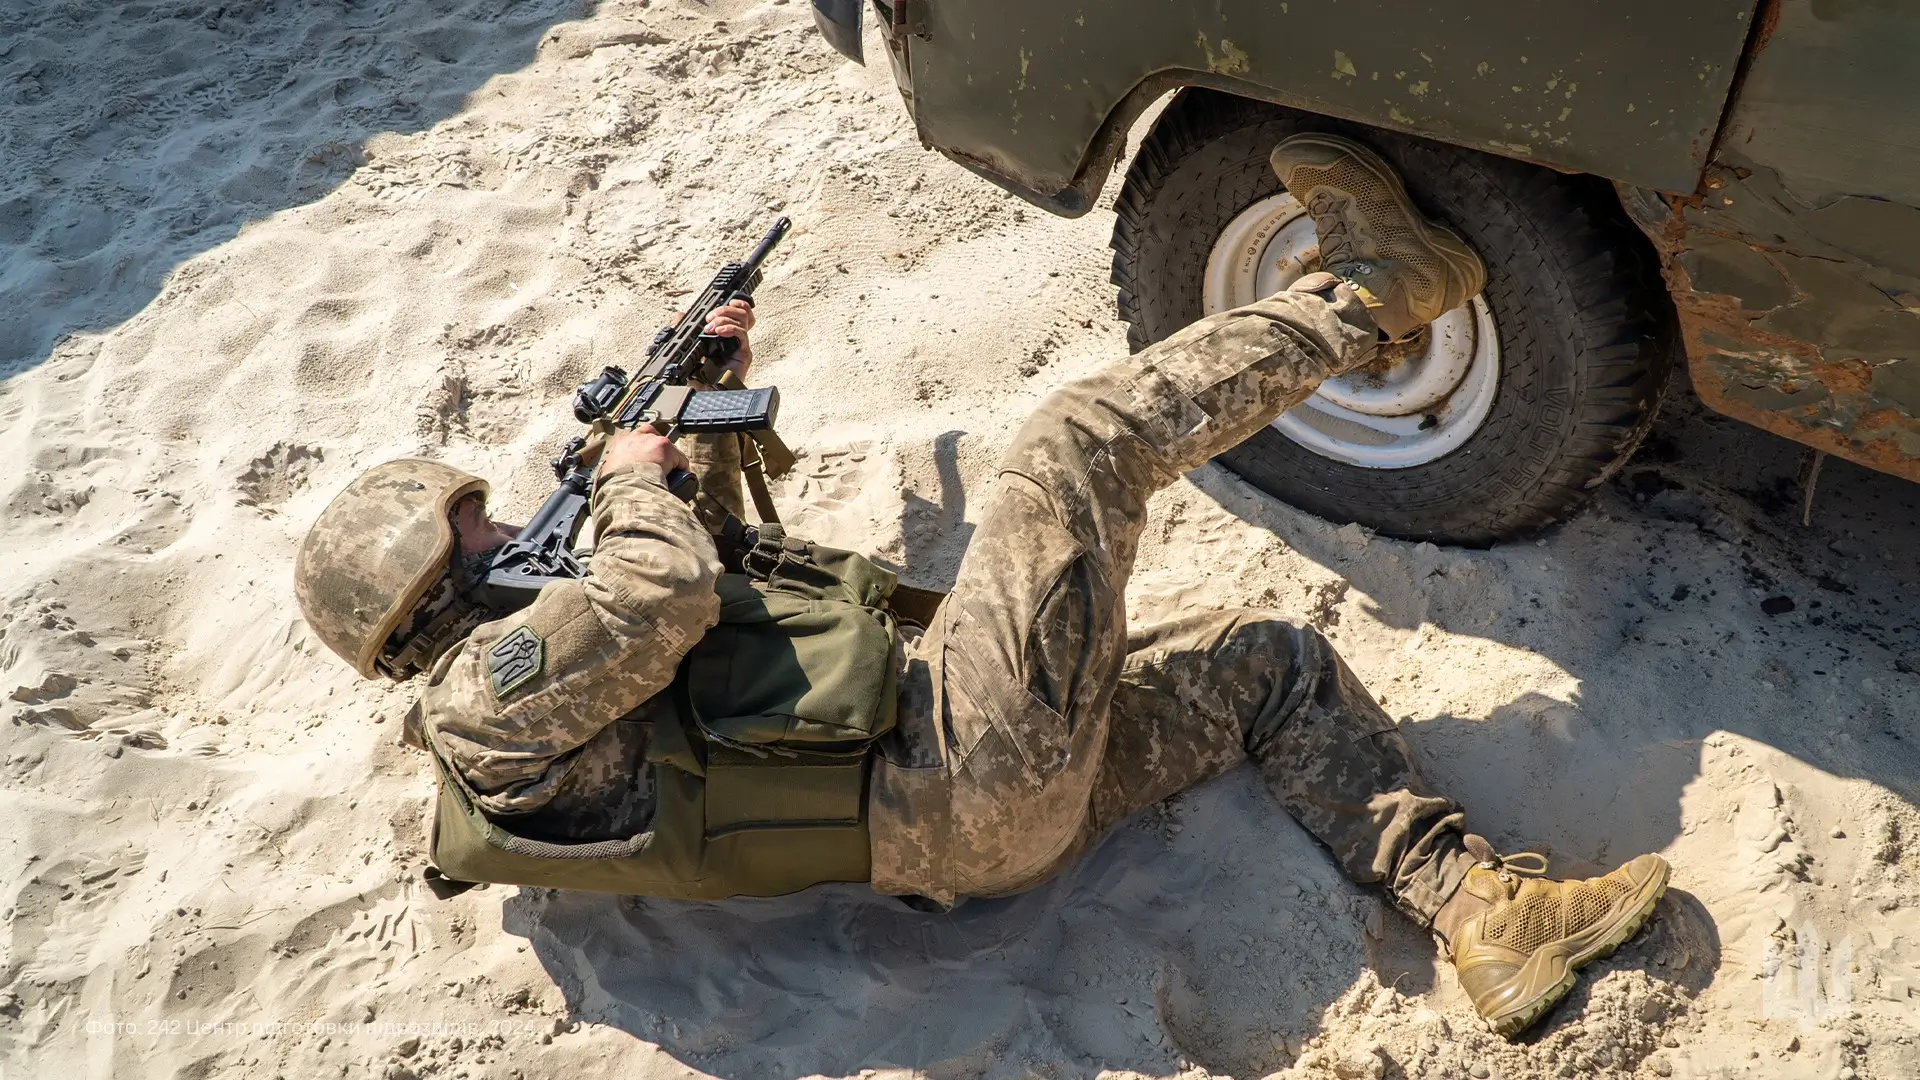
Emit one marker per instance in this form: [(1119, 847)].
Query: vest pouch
[(762, 791), (815, 571), (467, 845), (802, 659), (812, 829)]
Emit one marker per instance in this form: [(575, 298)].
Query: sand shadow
[(1106, 967), (1668, 650), (936, 531), (143, 134), (1115, 965)]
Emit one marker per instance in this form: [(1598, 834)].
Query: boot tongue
[(1481, 851)]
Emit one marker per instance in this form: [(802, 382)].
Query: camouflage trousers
[(1055, 723)]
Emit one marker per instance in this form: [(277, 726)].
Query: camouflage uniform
[(1055, 724), (1031, 721), (559, 753)]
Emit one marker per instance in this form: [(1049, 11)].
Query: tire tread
[(1612, 313)]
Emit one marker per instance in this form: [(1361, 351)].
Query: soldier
[(1030, 719)]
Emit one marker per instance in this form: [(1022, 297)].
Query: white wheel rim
[(1417, 410)]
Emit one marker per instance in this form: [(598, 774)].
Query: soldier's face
[(478, 532)]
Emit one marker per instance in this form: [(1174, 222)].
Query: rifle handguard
[(598, 433)]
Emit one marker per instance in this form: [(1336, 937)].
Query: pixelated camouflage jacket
[(520, 706)]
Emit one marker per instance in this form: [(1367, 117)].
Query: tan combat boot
[(1408, 270), (1516, 939)]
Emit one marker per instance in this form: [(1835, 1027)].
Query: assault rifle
[(661, 394)]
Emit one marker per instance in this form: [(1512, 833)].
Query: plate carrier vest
[(760, 779)]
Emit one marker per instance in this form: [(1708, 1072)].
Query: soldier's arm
[(511, 705), (715, 459)]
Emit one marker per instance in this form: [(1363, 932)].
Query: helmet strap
[(445, 628), (445, 614)]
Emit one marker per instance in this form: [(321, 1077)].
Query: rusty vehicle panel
[(1796, 265), (1768, 150)]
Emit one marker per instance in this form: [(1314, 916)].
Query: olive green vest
[(761, 783)]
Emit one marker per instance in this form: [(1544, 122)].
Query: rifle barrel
[(767, 243)]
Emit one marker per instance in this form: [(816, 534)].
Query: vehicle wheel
[(1496, 422)]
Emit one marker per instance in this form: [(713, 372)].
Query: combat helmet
[(375, 553)]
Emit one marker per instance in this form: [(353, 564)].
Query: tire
[(1586, 331)]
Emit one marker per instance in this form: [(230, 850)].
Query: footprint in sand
[(274, 477), (847, 496), (59, 910), (838, 475), (62, 671)]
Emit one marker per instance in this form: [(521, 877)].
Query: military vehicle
[(1732, 182)]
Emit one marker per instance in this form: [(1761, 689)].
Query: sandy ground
[(251, 250)]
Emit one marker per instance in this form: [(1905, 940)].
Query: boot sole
[(1569, 960), (1465, 266)]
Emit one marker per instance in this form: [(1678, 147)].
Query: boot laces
[(1329, 219), (1520, 863)]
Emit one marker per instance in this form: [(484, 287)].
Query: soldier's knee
[(1270, 632), (1309, 681)]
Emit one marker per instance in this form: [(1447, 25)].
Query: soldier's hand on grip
[(642, 443), (733, 320)]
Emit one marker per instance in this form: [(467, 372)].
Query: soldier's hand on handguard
[(642, 443), (733, 320)]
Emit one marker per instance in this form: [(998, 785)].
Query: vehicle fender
[(1038, 97)]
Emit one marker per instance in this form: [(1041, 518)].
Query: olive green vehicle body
[(1770, 151)]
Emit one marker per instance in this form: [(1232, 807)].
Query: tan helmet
[(374, 552)]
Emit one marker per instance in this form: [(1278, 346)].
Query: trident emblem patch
[(513, 660)]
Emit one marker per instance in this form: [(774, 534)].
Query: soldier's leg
[(1023, 663), (1202, 693), (1025, 654), (1193, 689), (1024, 660), (1515, 938)]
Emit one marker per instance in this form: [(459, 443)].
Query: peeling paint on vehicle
[(1799, 345), (1232, 60), (1114, 60), (1789, 386)]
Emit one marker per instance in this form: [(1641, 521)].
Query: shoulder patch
[(513, 660)]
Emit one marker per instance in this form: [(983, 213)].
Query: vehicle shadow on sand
[(140, 135)]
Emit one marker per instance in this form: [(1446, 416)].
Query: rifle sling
[(753, 471), (774, 455)]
